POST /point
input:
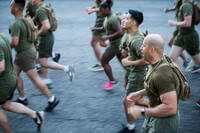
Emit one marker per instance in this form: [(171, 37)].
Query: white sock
[(22, 98), (53, 54), (47, 81), (66, 69), (51, 99), (130, 126)]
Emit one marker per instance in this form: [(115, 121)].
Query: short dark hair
[(106, 4), (20, 3), (136, 15)]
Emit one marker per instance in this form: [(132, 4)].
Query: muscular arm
[(136, 95), (92, 9), (184, 24), (97, 29), (118, 33), (139, 62), (45, 27), (14, 41), (167, 108), (169, 9)]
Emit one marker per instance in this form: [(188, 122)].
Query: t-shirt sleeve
[(1, 54), (165, 81), (136, 46), (15, 29), (42, 15), (187, 9)]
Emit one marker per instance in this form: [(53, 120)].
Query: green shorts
[(7, 87), (127, 73), (113, 49), (135, 82), (26, 59), (189, 42), (46, 45), (99, 23), (161, 125)]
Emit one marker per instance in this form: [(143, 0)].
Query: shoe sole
[(50, 110), (196, 71), (42, 114), (95, 70), (21, 102)]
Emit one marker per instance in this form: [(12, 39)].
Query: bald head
[(155, 41)]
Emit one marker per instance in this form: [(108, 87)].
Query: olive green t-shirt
[(163, 80), (30, 9), (135, 42), (111, 25), (124, 41), (186, 9), (40, 16), (18, 29), (6, 55)]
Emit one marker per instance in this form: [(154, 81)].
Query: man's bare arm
[(168, 107)]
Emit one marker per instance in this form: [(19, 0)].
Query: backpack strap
[(149, 78)]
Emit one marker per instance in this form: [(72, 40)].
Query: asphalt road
[(85, 107)]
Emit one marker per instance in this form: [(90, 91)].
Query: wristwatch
[(143, 111)]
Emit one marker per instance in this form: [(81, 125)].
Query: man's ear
[(133, 22)]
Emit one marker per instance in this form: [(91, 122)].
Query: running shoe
[(24, 102), (47, 81), (71, 73), (96, 68), (110, 84), (52, 105), (126, 130), (186, 63), (39, 120), (57, 57), (198, 103)]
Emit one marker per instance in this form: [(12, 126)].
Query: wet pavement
[(84, 106)]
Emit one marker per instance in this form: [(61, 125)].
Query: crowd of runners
[(152, 88)]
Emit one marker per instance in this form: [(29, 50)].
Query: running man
[(186, 31), (96, 34), (46, 42), (113, 34), (8, 84), (30, 11), (135, 62), (26, 55), (162, 88), (177, 4)]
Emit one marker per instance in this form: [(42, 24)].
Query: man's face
[(104, 11), (129, 23), (12, 7), (146, 51), (35, 2), (124, 19)]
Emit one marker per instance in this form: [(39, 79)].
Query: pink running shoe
[(109, 85)]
